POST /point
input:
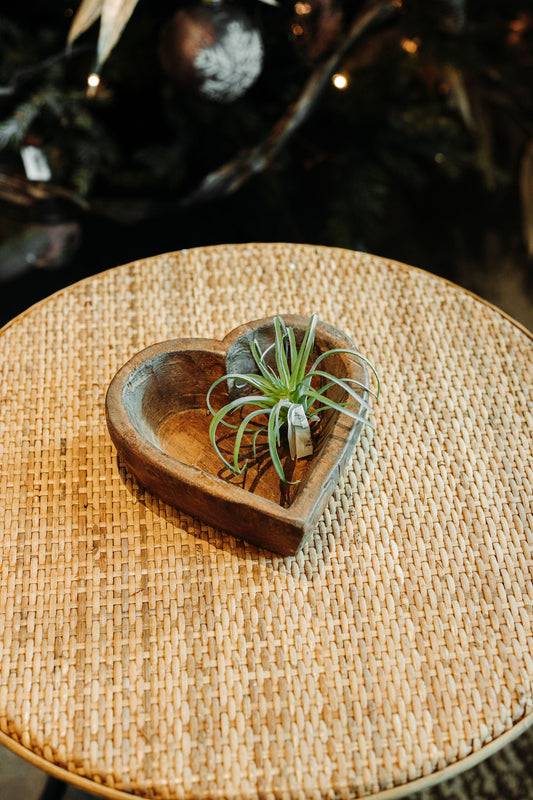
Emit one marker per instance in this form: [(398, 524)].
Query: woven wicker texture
[(156, 655)]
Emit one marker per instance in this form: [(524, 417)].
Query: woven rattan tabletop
[(145, 652)]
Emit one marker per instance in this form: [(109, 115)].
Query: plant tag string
[(299, 433)]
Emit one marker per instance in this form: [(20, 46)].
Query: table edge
[(243, 245), (393, 793)]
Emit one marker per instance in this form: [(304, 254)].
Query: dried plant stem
[(231, 176)]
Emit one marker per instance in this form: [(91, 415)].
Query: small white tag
[(35, 164), (299, 433)]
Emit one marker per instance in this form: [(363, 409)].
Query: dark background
[(425, 158)]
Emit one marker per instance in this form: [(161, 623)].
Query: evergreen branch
[(14, 129), (232, 175), (22, 76)]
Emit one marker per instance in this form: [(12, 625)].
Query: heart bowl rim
[(133, 448)]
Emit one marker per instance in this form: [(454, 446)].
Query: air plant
[(285, 393)]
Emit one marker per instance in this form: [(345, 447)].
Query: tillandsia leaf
[(275, 423), (281, 357), (256, 381), (339, 407), (259, 358), (313, 411), (280, 388), (260, 429), (343, 385), (258, 400), (293, 350), (355, 353), (218, 417), (360, 384), (280, 415), (238, 405), (274, 440), (305, 350), (243, 428), (349, 413)]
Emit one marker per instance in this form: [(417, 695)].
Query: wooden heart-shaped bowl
[(158, 420)]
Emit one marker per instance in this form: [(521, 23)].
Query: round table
[(145, 652)]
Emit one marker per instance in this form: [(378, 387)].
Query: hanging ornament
[(212, 48), (316, 27)]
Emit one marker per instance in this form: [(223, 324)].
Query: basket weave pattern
[(153, 654)]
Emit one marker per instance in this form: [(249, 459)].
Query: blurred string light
[(410, 45), (301, 9), (340, 81), (93, 82), (518, 28)]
